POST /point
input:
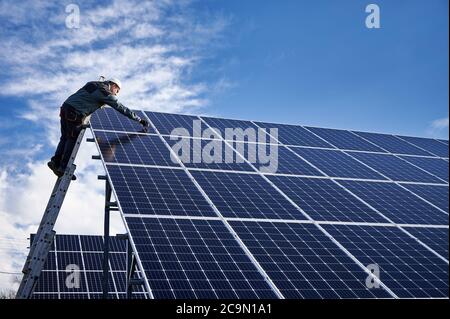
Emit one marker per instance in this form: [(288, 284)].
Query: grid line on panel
[(345, 140), (157, 191), (84, 268), (107, 118), (324, 200), (436, 238), (394, 168), (129, 148), (396, 203), (165, 123), (245, 195), (335, 163), (434, 166), (430, 145), (295, 135), (435, 194), (196, 259), (304, 262), (392, 144), (406, 267)]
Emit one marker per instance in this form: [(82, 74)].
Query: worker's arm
[(112, 101)]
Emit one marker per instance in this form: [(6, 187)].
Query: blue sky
[(306, 62)]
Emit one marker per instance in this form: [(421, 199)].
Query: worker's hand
[(144, 123)]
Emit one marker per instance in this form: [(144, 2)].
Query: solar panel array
[(74, 269), (346, 215)]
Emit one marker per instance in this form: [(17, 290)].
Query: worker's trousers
[(71, 123)]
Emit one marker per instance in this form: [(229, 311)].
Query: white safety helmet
[(116, 82)]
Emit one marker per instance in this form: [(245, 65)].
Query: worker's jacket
[(94, 95)]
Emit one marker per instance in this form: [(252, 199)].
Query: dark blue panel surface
[(134, 149), (207, 154), (322, 199), (430, 145), (345, 140), (395, 168), (275, 159), (295, 135), (435, 166), (303, 262), (336, 163), (435, 238), (143, 190), (437, 195), (245, 196), (195, 259), (406, 267), (109, 119), (393, 144), (165, 123), (396, 203), (227, 126)]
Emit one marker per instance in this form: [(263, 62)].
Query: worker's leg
[(73, 130), (56, 159)]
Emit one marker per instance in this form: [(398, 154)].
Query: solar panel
[(295, 135), (138, 149), (345, 140), (406, 267), (434, 166), (393, 144), (287, 162), (165, 123), (322, 199), (435, 194), (195, 259), (208, 154), (242, 127), (436, 238), (337, 163), (245, 196), (395, 168), (157, 191), (396, 203), (304, 262), (78, 252), (109, 119), (217, 229), (432, 146)]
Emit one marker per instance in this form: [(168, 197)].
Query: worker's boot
[(55, 168)]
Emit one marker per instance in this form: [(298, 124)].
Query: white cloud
[(43, 62), (439, 128)]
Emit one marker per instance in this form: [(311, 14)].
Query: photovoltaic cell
[(406, 267), (276, 159), (295, 135), (392, 144), (395, 168), (245, 196), (345, 140), (322, 199), (435, 166), (303, 262), (337, 163), (109, 119), (431, 145), (396, 203), (133, 149), (143, 190), (195, 259), (436, 238), (208, 154), (166, 122), (242, 127), (435, 194)]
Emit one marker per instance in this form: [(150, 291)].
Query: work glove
[(144, 123)]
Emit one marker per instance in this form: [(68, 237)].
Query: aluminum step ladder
[(45, 234)]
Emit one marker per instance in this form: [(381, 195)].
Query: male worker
[(74, 110)]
